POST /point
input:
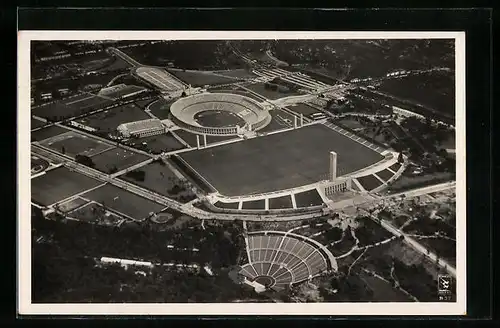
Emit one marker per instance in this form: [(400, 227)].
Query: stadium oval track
[(184, 110)]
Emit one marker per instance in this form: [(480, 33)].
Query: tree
[(85, 160), (400, 158)]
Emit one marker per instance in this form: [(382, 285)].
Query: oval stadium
[(219, 114)]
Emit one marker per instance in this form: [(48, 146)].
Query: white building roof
[(140, 126)]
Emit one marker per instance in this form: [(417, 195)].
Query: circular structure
[(219, 114), (161, 217), (278, 259), (266, 281), (38, 165)]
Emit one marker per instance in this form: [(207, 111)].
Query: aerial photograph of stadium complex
[(254, 171)]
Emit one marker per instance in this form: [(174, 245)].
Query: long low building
[(141, 129)]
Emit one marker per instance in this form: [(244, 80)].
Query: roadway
[(124, 56), (408, 239), (189, 209)]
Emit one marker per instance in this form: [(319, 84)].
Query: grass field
[(267, 93), (72, 204), (36, 123), (117, 157), (216, 118), (369, 182), (308, 198), (59, 184), (123, 201), (395, 167), (280, 120), (407, 182), (89, 214), (197, 79), (233, 206), (435, 90), (385, 174), (158, 178), (108, 121), (47, 132), (278, 161), (74, 143), (144, 103), (239, 73), (160, 108), (190, 138), (238, 92), (254, 205), (69, 107), (280, 202), (303, 109), (156, 144)]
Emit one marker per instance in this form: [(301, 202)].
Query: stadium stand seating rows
[(184, 110), (285, 259)]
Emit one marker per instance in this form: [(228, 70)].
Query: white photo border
[(26, 307)]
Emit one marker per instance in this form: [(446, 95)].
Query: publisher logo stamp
[(444, 287), (444, 284)]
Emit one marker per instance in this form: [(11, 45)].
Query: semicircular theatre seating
[(286, 259)]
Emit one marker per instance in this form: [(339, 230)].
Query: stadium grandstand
[(160, 78), (141, 129), (278, 259), (121, 91), (253, 115)]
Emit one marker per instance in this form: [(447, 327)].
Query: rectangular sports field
[(36, 123), (72, 204), (201, 78), (156, 144), (280, 120), (369, 182), (72, 106), (238, 91), (160, 108), (254, 204), (123, 201), (109, 120), (117, 157), (74, 143), (280, 202), (59, 184), (279, 161), (308, 198), (157, 177), (385, 174), (304, 109), (268, 93), (47, 132)]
